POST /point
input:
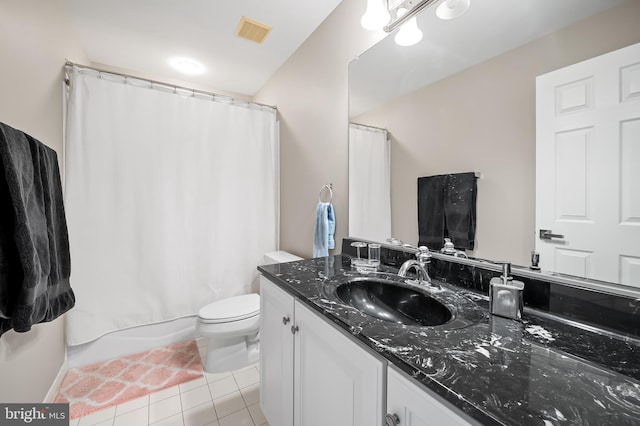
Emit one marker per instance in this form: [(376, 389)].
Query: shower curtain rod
[(367, 127), (161, 83)]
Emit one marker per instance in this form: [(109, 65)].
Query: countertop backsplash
[(615, 313)]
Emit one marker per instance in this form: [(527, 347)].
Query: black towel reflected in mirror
[(447, 209)]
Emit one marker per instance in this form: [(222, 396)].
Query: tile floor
[(226, 399)]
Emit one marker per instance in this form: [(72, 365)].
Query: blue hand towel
[(331, 217), (321, 234)]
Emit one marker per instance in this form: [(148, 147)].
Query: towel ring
[(328, 187)]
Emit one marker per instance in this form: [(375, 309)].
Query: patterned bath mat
[(102, 385)]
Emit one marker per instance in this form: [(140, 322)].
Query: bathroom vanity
[(325, 361), (311, 373)]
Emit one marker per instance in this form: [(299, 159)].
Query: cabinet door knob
[(294, 329), (392, 420), (285, 320)]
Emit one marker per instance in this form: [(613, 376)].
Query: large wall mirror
[(464, 100)]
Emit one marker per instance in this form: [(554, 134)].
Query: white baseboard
[(53, 390)]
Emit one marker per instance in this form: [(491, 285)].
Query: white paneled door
[(588, 168)]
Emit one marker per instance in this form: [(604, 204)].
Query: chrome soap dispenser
[(505, 295)]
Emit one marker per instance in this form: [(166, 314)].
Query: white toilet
[(232, 326)]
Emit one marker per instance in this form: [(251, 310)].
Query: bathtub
[(132, 340)]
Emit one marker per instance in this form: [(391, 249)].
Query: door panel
[(572, 175), (630, 173), (630, 269), (573, 262)]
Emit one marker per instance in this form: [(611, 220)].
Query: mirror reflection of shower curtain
[(171, 201), (369, 183)]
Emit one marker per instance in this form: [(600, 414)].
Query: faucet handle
[(448, 247), (423, 254)]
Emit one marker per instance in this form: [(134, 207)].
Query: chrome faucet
[(451, 250), (420, 271), (419, 264)]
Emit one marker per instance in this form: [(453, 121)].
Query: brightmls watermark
[(34, 414)]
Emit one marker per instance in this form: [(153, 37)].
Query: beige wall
[(310, 91), (35, 40), (483, 119)]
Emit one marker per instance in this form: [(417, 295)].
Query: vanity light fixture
[(395, 13), (451, 9), (403, 10), (187, 66), (376, 16)]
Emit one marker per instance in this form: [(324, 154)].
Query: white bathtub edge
[(132, 340), (57, 382)]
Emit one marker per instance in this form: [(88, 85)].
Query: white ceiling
[(143, 35), (489, 28)]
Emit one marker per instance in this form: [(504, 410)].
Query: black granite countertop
[(540, 371)]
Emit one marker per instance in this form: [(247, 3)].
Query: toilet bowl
[(232, 327)]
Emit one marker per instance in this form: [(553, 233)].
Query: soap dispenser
[(505, 295)]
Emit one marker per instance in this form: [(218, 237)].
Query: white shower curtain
[(171, 200), (369, 183)]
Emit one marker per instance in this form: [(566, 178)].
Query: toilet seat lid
[(231, 309)]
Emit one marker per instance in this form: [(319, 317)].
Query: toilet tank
[(279, 257)]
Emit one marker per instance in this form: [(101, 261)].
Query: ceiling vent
[(252, 30)]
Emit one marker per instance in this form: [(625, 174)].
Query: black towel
[(431, 220), (447, 208), (34, 245), (460, 209)]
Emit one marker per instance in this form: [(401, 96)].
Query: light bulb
[(450, 9), (409, 33), (376, 15)]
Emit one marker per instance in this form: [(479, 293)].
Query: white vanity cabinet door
[(415, 406), (336, 382), (276, 354)]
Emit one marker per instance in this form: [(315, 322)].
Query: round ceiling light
[(187, 66)]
